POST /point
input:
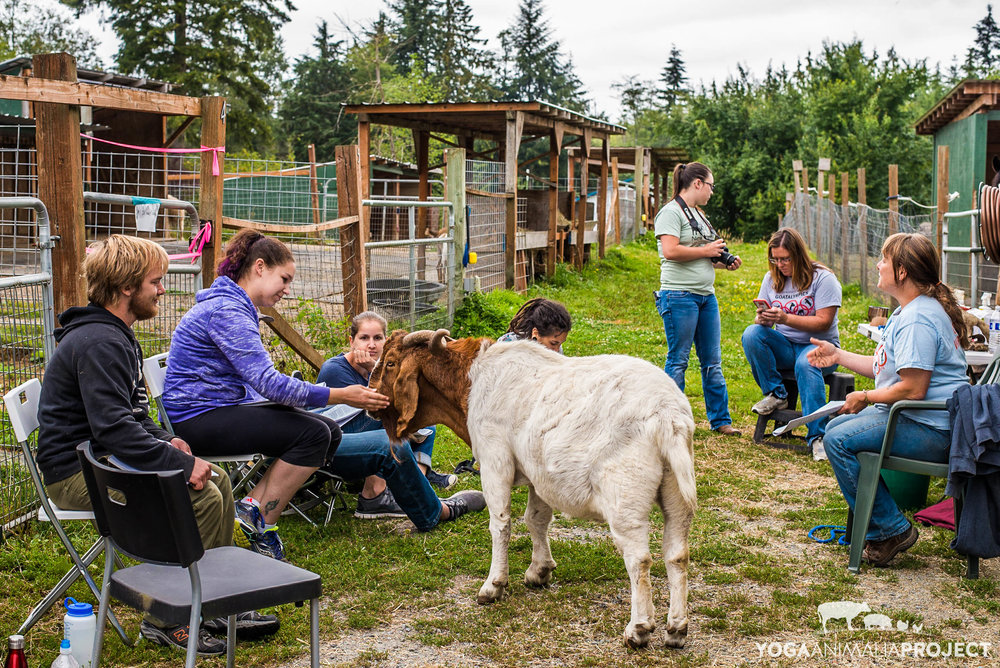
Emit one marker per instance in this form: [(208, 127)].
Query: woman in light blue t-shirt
[(802, 298), (920, 356)]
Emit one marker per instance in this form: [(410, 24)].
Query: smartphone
[(761, 303)]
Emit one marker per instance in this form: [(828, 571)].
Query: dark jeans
[(292, 435)]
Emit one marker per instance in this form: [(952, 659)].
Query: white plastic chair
[(22, 410)]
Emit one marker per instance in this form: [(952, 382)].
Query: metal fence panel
[(487, 223)]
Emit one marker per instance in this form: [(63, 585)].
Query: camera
[(725, 257)]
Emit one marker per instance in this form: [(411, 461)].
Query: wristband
[(867, 400)]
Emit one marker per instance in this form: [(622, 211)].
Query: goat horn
[(418, 337), (438, 341)]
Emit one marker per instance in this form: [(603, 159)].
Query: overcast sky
[(616, 39)]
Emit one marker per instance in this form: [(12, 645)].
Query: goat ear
[(405, 393)]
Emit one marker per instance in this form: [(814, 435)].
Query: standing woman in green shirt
[(690, 252)]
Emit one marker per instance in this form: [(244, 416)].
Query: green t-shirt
[(697, 276)]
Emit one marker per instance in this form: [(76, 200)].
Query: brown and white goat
[(601, 437)]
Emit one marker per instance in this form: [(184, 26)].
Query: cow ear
[(405, 392)]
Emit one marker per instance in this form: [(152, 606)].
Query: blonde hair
[(120, 263)]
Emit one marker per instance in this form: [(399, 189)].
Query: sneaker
[(819, 452), (441, 480), (769, 404), (383, 505), (269, 544), (881, 552), (250, 520), (420, 435), (249, 625), (177, 636), (466, 501)]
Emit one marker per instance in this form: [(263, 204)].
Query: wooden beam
[(454, 192), (213, 133), (984, 100), (60, 181), (290, 335), (555, 138), (179, 131), (943, 171), (637, 184), (364, 151), (313, 185), (844, 217), (352, 237), (617, 201), (512, 141), (863, 227), (421, 141), (602, 200), (581, 211), (79, 93), (281, 228), (893, 199)]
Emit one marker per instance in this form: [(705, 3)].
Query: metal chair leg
[(864, 502)]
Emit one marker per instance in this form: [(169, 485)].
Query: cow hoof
[(489, 593), (637, 635), (538, 576)]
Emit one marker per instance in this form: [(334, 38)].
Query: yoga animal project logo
[(849, 610)]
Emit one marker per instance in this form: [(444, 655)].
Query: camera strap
[(693, 221)]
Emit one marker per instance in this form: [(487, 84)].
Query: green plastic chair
[(873, 462)]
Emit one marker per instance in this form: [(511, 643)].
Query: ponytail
[(946, 298), (248, 246), (686, 174)]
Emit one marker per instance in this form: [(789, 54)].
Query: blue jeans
[(769, 353), (689, 318), (364, 422), (847, 435), (366, 453)]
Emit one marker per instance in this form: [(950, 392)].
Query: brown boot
[(881, 552), (728, 430)]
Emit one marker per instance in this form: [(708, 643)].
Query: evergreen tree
[(414, 23), (533, 65), (672, 78), (209, 47), (459, 63), (26, 29), (311, 112), (983, 57)]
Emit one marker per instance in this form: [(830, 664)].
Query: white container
[(994, 324), (80, 628), (65, 658)]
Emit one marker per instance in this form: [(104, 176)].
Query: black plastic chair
[(148, 517)]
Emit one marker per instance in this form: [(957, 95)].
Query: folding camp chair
[(154, 370), (22, 409), (148, 516), (245, 469)]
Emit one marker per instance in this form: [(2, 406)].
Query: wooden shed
[(967, 121)]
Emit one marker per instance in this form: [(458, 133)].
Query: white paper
[(145, 217), (829, 409)]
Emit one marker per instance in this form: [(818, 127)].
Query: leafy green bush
[(486, 314)]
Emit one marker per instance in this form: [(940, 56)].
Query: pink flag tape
[(216, 150)]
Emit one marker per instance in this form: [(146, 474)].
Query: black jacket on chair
[(974, 468)]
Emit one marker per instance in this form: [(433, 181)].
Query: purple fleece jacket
[(217, 359)]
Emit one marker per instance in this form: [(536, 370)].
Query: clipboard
[(828, 409)]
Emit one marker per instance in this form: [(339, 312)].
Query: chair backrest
[(148, 515), (154, 370), (22, 407)]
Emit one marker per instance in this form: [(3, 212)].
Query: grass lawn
[(398, 598)]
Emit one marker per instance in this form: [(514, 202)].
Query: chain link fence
[(487, 215)]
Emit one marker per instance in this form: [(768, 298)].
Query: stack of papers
[(829, 409)]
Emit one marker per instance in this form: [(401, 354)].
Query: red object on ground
[(941, 514)]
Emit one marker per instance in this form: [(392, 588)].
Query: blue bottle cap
[(64, 644), (77, 609)]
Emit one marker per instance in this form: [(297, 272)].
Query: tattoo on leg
[(270, 505)]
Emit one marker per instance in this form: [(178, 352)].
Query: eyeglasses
[(780, 260), (710, 185)]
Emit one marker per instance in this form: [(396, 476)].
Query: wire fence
[(487, 222)]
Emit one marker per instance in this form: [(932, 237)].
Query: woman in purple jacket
[(224, 396)]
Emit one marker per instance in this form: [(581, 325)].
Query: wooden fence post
[(806, 227), (863, 228), (845, 217), (213, 135), (617, 210), (352, 237), (602, 199), (512, 141), (555, 147), (60, 181), (454, 192), (893, 199), (830, 252), (580, 238), (943, 169), (637, 182)]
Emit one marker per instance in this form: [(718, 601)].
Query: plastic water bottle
[(80, 628), (65, 658), (15, 653), (994, 325)]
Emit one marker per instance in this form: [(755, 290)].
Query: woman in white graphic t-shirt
[(802, 298)]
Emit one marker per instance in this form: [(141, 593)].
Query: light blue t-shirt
[(920, 336), (824, 291)]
